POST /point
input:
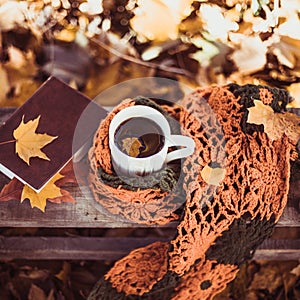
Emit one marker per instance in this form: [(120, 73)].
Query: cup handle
[(180, 140)]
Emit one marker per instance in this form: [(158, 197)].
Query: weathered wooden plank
[(104, 248), (87, 213), (279, 249)]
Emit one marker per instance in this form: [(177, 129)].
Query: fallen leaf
[(296, 271), (275, 124), (11, 15), (213, 176), (260, 113), (21, 69), (207, 52), (66, 35), (5, 86), (215, 23), (65, 197), (28, 142), (169, 13), (36, 293), (33, 273), (284, 54), (294, 90), (16, 58), (91, 7), (64, 273), (68, 175), (288, 28), (12, 190), (48, 192), (250, 57)]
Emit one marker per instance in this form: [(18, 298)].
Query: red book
[(63, 113)]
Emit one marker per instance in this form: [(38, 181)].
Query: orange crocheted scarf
[(221, 224)]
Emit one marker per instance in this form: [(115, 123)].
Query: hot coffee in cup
[(139, 140), (139, 137)]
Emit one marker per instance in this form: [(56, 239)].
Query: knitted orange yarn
[(143, 206), (222, 224)]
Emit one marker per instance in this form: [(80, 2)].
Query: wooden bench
[(86, 214)]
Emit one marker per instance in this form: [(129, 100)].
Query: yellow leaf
[(5, 86), (66, 35), (215, 23), (207, 52), (294, 90), (159, 19), (17, 58), (260, 113), (213, 176), (28, 142), (275, 124), (250, 57), (48, 192)]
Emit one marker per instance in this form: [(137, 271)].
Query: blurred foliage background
[(95, 44)]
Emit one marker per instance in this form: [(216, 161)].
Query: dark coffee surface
[(139, 137)]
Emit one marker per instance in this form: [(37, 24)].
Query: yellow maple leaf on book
[(28, 142)]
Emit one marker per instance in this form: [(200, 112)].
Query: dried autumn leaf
[(68, 173), (91, 7), (213, 176), (12, 190), (159, 19), (5, 86), (17, 58), (65, 197), (296, 271), (28, 142), (207, 52), (36, 293), (275, 124), (11, 15), (294, 90), (260, 113), (38, 200), (215, 23), (250, 57)]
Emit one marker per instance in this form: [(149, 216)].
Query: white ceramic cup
[(135, 166)]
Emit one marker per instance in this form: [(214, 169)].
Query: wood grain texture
[(88, 213), (105, 248)]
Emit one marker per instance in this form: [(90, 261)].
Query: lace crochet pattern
[(156, 204), (221, 225)]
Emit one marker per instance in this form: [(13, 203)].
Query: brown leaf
[(5, 86), (250, 57), (275, 124), (294, 90), (28, 142), (11, 15), (64, 273), (68, 175), (268, 278), (36, 293), (65, 197), (296, 271), (12, 190)]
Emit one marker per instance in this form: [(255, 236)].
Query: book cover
[(55, 109)]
